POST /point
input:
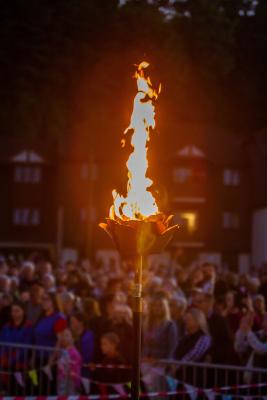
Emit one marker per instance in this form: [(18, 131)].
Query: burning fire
[(139, 202), (135, 224)]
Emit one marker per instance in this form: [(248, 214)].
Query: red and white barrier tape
[(107, 366)]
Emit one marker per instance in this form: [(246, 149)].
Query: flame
[(139, 202)]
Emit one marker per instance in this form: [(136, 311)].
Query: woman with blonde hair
[(197, 341), (160, 332), (159, 342), (194, 346)]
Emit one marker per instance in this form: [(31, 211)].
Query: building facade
[(53, 200)]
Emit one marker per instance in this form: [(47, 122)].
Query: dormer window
[(27, 167)]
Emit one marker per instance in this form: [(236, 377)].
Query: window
[(231, 220), (231, 177), (187, 219), (23, 174), (182, 175), (26, 216)]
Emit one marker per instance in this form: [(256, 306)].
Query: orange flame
[(139, 202)]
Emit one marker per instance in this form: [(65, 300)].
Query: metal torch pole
[(137, 326)]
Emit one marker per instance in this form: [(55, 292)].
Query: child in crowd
[(69, 365), (110, 344), (110, 349)]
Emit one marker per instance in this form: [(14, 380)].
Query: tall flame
[(139, 202)]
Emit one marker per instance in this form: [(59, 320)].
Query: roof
[(25, 150), (207, 141)]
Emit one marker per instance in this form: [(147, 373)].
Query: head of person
[(66, 302), (177, 307), (209, 271), (194, 321), (244, 281), (122, 314), (259, 304), (65, 338), (18, 315), (49, 303), (44, 267), (110, 344), (120, 298), (27, 271), (205, 303), (91, 308), (197, 277), (6, 300), (36, 293), (3, 267), (77, 323), (5, 284), (159, 311), (14, 284), (49, 282), (254, 284), (247, 303)]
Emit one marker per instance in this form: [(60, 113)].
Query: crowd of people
[(190, 314)]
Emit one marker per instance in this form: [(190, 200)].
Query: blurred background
[(66, 97)]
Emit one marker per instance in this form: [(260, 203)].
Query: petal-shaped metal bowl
[(134, 238)]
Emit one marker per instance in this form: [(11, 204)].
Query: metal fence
[(33, 371), (28, 370)]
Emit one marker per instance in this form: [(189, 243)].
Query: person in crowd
[(49, 282), (232, 313), (219, 331), (5, 283), (50, 323), (209, 278), (252, 348), (6, 301), (110, 348), (196, 343), (17, 331), (34, 304), (44, 267), (111, 355), (118, 319), (68, 365), (195, 280), (177, 308), (195, 346), (84, 340), (26, 276), (67, 302), (94, 321), (160, 332), (260, 311)]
